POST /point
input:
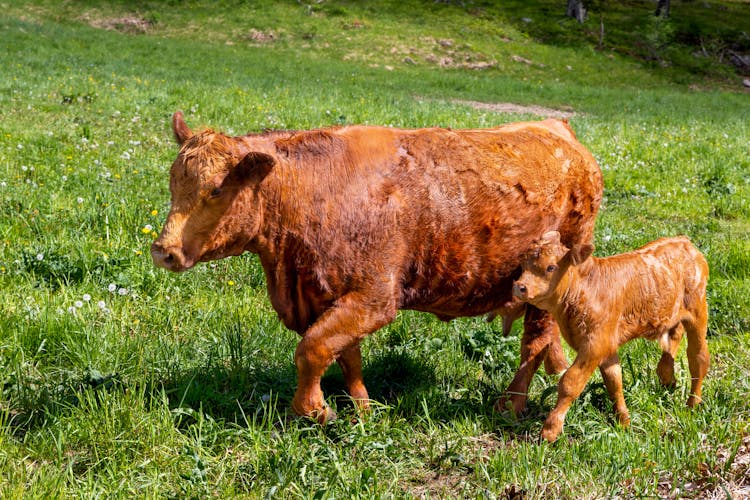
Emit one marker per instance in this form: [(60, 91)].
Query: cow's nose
[(519, 290), (170, 257)]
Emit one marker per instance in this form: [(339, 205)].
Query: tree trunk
[(662, 8), (576, 10)]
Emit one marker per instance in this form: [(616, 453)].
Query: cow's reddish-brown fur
[(656, 292), (352, 224)]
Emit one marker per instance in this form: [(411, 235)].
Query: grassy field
[(122, 380)]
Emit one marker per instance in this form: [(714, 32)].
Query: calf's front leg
[(612, 374), (336, 335), (568, 389)]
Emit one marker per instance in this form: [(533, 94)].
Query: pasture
[(118, 379)]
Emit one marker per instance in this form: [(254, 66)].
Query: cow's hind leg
[(669, 343), (555, 361), (350, 361), (539, 334), (338, 330)]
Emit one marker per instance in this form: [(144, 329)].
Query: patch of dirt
[(443, 52), (509, 107), (262, 37), (132, 24), (523, 60)]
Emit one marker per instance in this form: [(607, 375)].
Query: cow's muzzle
[(169, 257)]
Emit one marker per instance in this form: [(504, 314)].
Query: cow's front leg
[(351, 365), (539, 333), (336, 333)]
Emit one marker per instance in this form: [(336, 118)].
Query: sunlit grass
[(119, 379)]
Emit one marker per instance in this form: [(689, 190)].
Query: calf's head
[(215, 209), (544, 265)]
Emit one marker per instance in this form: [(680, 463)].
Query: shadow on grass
[(242, 394)]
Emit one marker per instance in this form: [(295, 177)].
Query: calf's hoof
[(515, 404), (324, 415), (693, 400), (623, 419), (551, 430), (322, 412), (550, 435)]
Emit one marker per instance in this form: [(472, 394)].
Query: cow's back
[(477, 199), (444, 214)]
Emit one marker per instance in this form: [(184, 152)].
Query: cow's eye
[(551, 268), (215, 192)]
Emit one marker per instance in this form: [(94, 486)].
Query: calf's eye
[(215, 192), (551, 268)]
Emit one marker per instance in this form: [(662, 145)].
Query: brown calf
[(653, 292), (352, 224)]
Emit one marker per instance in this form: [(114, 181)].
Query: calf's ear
[(550, 237), (254, 166), (181, 131), (579, 253)]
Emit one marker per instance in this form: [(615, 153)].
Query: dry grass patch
[(130, 24), (511, 108)]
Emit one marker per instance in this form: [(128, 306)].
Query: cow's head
[(215, 208), (544, 265)]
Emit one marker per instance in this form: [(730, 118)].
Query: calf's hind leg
[(669, 343), (697, 352)]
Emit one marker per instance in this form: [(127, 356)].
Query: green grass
[(179, 385)]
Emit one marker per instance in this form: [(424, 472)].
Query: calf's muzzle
[(519, 290)]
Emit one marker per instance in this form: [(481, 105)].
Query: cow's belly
[(450, 295)]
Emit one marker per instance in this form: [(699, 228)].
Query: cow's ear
[(579, 253), (181, 131), (254, 166)]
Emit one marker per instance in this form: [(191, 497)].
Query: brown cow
[(654, 292), (352, 224)]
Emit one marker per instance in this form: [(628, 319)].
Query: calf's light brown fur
[(353, 223), (599, 304)]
